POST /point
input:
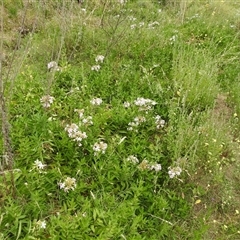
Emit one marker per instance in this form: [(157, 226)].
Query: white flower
[(130, 128), (133, 26), (95, 68), (136, 122), (96, 101), (74, 133), (42, 224), (68, 184), (153, 24), (144, 101), (173, 171), (126, 104), (141, 24), (39, 165), (79, 136), (133, 159), (156, 166), (99, 58), (159, 122), (139, 119), (173, 38), (47, 101), (131, 18), (99, 147), (144, 104), (87, 121), (72, 130), (53, 66)]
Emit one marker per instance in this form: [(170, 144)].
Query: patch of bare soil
[(221, 111)]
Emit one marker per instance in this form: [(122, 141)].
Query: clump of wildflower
[(38, 165), (145, 165), (72, 130), (47, 101), (99, 58), (144, 104), (173, 38), (53, 66), (68, 184), (99, 147), (133, 26), (174, 171), (41, 224), (133, 159), (96, 101), (87, 121), (153, 25), (160, 123), (155, 166), (95, 68), (139, 119), (126, 104), (131, 18), (74, 133), (136, 122)]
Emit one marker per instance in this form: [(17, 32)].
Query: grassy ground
[(120, 120)]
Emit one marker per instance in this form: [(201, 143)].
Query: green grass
[(157, 157)]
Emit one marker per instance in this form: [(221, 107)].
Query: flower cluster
[(47, 101), (39, 165), (174, 171), (136, 122), (133, 159), (53, 66), (96, 101), (173, 38), (145, 165), (126, 104), (155, 166), (144, 104), (153, 25), (99, 147), (133, 26), (131, 18), (160, 123), (95, 68), (98, 59), (87, 121), (68, 184), (41, 224), (74, 133)]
